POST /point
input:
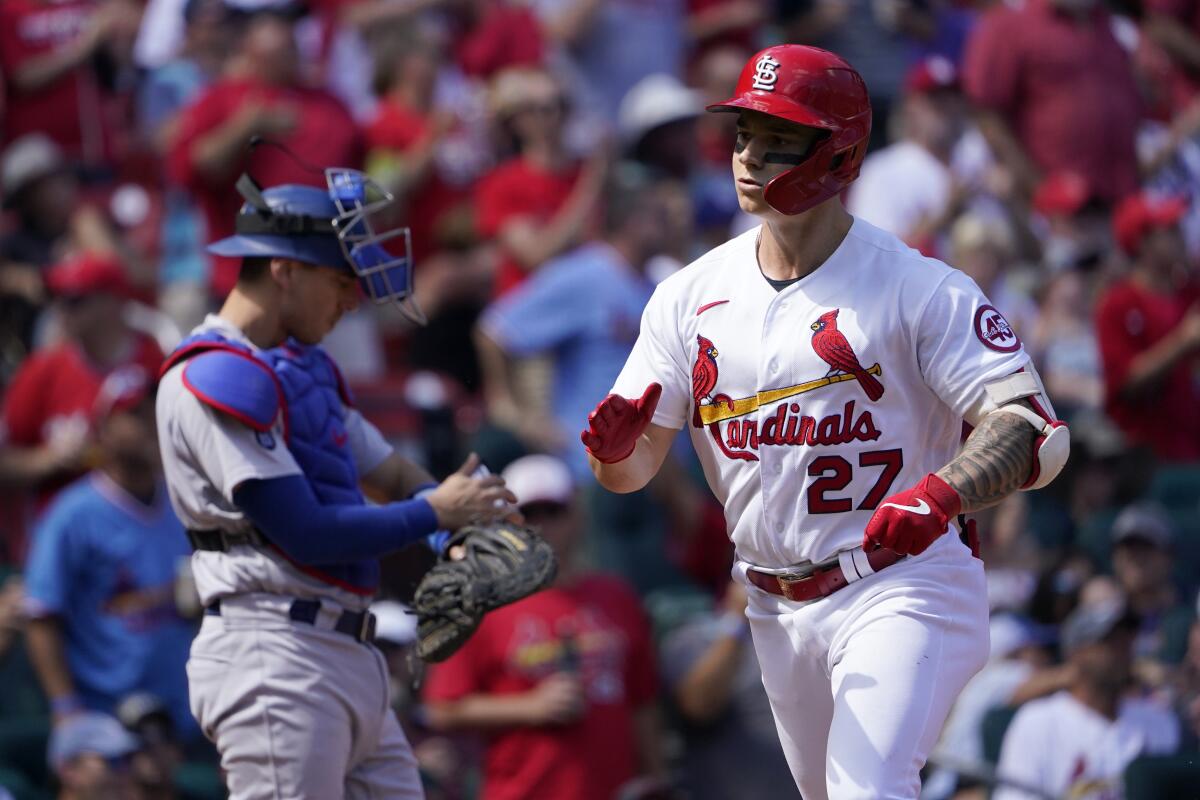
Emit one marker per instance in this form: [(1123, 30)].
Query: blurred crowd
[(553, 161)]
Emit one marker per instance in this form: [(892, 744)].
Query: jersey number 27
[(834, 473)]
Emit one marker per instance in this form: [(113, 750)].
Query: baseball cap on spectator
[(125, 388), (1093, 622), (147, 716), (28, 159), (89, 732), (539, 479), (394, 623), (1062, 194), (654, 101), (1145, 522), (1143, 212), (932, 74), (1010, 633), (87, 273)]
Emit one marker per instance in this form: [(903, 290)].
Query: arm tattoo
[(995, 461)]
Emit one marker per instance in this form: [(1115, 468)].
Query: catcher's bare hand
[(557, 700), (461, 498)]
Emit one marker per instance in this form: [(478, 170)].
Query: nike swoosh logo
[(920, 508), (707, 306)]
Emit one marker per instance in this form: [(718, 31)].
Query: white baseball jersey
[(1059, 745), (207, 454), (808, 406)]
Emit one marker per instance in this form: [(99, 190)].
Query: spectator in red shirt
[(1055, 90), (562, 683), (1148, 326), (48, 407), (47, 52), (712, 24), (495, 35), (260, 94), (403, 143), (542, 202)]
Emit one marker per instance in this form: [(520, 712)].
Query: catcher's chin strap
[(968, 532)]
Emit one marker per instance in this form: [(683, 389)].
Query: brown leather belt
[(821, 582)]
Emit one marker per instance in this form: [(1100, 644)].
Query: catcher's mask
[(332, 227), (812, 87)]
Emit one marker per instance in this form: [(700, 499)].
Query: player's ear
[(281, 271)]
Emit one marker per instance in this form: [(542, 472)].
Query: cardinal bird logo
[(704, 378), (831, 345)]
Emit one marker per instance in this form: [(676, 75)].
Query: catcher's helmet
[(813, 87), (329, 227)]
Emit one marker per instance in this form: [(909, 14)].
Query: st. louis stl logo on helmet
[(766, 73), (994, 331)]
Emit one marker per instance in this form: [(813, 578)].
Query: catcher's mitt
[(503, 563)]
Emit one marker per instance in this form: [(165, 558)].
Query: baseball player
[(821, 366), (263, 453)]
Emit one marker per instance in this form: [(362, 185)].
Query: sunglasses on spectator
[(73, 301), (556, 106), (119, 763)]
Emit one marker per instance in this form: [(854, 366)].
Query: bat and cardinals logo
[(831, 345), (788, 426)]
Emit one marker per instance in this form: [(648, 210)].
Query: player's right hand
[(557, 700), (616, 423), (462, 498)]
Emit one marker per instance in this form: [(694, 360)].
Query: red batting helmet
[(813, 87)]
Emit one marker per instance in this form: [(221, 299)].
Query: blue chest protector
[(303, 384)]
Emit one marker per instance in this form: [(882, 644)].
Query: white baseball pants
[(296, 711), (860, 682)]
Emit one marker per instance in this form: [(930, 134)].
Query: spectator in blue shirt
[(582, 310), (101, 578)]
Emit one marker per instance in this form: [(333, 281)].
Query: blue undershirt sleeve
[(289, 515)]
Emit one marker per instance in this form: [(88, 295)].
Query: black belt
[(221, 541), (358, 625)]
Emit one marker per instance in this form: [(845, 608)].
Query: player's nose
[(751, 156)]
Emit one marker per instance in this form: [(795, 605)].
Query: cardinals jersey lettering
[(808, 406)]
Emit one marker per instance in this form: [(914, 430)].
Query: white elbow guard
[(1053, 444), (1050, 449)]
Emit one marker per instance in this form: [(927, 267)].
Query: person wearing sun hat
[(1148, 325)]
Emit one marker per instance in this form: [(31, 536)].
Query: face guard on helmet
[(333, 227), (812, 87), (385, 276)]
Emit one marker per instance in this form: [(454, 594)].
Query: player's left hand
[(909, 521)]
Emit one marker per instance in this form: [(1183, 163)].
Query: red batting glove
[(909, 521), (615, 425)]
